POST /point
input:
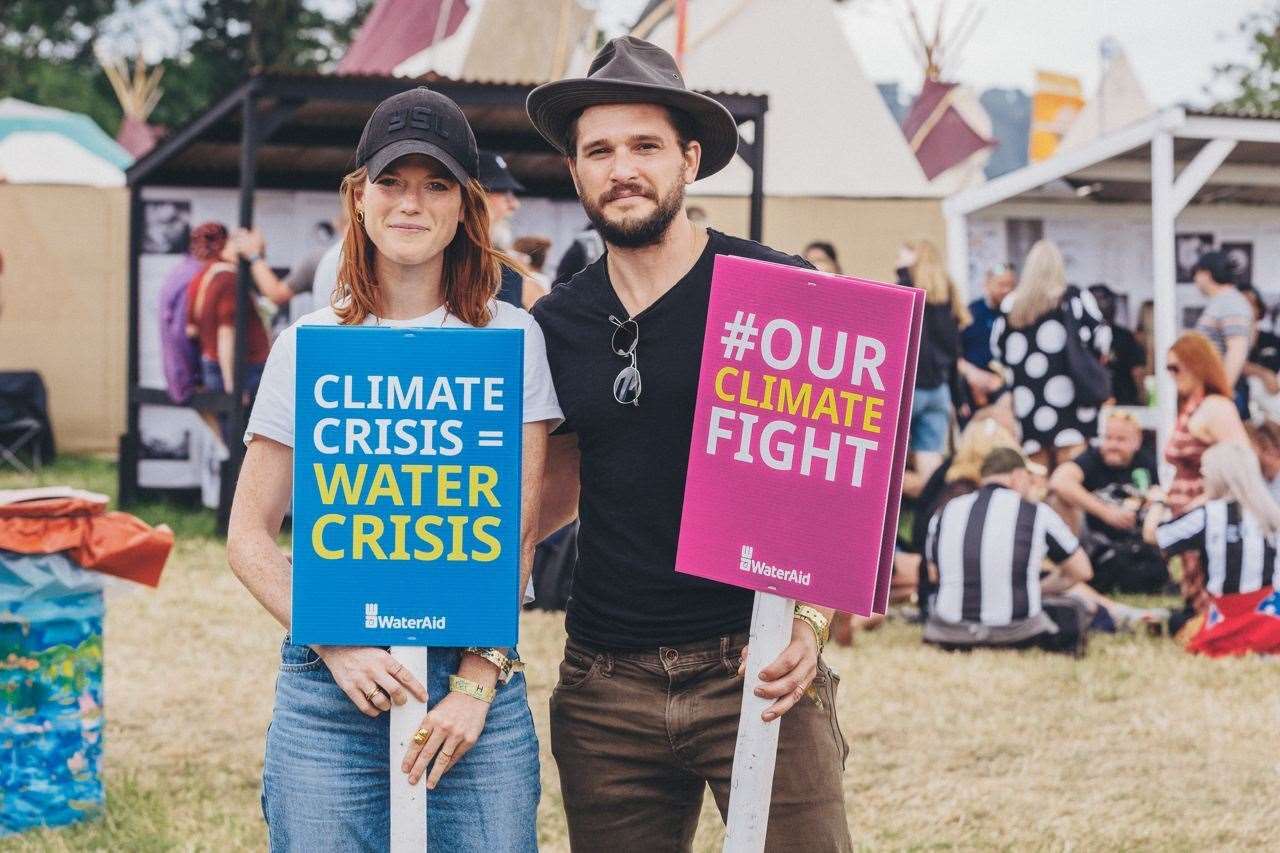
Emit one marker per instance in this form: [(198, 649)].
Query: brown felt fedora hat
[(628, 70)]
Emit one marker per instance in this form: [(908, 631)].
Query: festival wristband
[(506, 666), (458, 684), (814, 619)]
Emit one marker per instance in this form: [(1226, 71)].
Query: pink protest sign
[(799, 435)]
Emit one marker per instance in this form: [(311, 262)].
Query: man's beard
[(636, 233)]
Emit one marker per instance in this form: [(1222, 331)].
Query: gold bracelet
[(458, 684), (506, 666), (814, 619)]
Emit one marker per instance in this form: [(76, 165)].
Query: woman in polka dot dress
[(1030, 338)]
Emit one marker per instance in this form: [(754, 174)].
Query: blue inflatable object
[(50, 692)]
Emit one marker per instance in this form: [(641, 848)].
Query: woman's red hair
[(472, 267), (1199, 358)]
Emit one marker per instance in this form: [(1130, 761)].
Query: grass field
[(1138, 746)]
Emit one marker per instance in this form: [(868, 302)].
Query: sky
[(1173, 45)]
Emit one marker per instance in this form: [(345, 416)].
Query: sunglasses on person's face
[(626, 337)]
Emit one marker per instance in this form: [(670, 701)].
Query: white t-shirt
[(273, 410)]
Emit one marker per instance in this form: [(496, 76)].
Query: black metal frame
[(288, 92)]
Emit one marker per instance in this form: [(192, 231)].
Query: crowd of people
[(1033, 493)]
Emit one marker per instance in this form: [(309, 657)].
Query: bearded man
[(645, 714)]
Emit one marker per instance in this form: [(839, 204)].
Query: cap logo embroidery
[(421, 118)]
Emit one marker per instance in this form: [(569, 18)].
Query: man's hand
[(788, 677), (1120, 518), (248, 242)]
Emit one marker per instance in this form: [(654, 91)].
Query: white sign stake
[(757, 749), (408, 802)]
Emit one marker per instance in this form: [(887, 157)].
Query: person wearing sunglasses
[(645, 714), (417, 255), (1206, 416)]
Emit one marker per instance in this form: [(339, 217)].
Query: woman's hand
[(371, 677), (454, 725)]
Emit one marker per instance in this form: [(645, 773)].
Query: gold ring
[(420, 736), (372, 693), (446, 754)]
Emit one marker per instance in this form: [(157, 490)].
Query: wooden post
[(408, 802), (753, 758)]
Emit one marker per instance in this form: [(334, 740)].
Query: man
[(500, 188), (987, 548), (1265, 438), (1127, 361), (1108, 486), (645, 714), (976, 337), (1227, 319)]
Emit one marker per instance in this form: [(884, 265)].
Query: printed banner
[(1057, 100), (800, 431), (406, 495)]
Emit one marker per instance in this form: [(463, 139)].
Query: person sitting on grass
[(1236, 532), (987, 548), (1101, 494)]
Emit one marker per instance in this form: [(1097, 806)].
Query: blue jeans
[(930, 418), (325, 784)]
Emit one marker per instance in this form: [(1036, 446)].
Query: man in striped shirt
[(988, 548)]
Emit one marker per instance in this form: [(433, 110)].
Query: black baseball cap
[(494, 175), (419, 121)]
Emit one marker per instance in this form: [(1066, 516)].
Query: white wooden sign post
[(752, 785), (408, 802)]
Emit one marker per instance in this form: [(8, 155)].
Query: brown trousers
[(638, 734)]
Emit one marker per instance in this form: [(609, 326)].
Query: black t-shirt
[(626, 592), (1126, 355), (1098, 475)]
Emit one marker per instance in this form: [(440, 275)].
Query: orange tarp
[(115, 543)]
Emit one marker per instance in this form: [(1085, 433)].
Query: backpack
[(179, 353)]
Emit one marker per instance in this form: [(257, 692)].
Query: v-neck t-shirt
[(626, 592)]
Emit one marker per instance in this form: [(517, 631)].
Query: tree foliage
[(1256, 81), (46, 50), (46, 56)]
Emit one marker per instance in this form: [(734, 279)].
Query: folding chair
[(14, 436), (24, 425)]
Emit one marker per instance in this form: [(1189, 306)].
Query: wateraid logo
[(758, 567), (373, 619)]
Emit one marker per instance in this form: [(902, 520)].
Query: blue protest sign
[(406, 486)]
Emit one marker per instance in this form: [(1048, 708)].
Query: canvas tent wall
[(837, 165), (295, 132), (62, 303)]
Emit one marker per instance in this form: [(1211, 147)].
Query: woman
[(1235, 533), (1030, 340), (822, 255), (1206, 416), (417, 254), (945, 314)]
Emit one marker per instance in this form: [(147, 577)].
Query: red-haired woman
[(416, 255), (1206, 416)]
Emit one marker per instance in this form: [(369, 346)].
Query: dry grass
[(1139, 746)]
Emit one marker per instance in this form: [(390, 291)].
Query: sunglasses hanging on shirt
[(626, 337)]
